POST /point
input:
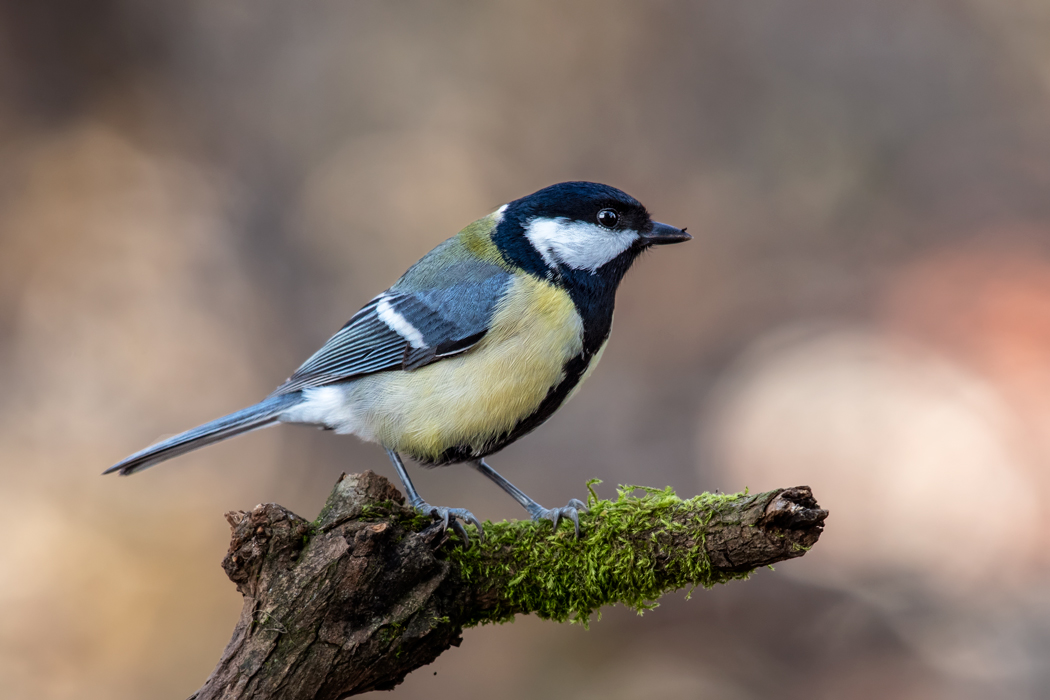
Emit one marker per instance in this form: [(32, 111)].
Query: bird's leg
[(538, 512), (447, 516)]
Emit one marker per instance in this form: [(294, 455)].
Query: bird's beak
[(662, 234)]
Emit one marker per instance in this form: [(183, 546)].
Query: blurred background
[(194, 195)]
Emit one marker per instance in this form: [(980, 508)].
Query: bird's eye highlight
[(608, 217)]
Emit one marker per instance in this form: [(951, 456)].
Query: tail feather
[(252, 418)]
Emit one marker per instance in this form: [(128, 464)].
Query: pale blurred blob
[(120, 256), (926, 432), (86, 597), (987, 306), (917, 459)]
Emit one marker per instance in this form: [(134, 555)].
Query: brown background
[(195, 194)]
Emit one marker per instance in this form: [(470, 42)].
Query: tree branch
[(370, 590)]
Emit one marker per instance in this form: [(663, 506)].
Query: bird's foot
[(452, 517), (571, 511)]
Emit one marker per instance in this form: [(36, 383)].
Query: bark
[(370, 591)]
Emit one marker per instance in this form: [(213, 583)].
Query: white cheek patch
[(579, 245), (399, 324)]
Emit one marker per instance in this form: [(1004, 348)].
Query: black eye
[(608, 217)]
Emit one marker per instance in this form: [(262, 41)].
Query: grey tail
[(254, 417)]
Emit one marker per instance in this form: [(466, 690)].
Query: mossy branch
[(370, 591)]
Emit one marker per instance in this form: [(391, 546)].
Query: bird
[(475, 346)]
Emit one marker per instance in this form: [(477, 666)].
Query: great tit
[(474, 347)]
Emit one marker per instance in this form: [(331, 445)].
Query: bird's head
[(580, 231)]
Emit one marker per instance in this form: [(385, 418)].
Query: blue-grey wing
[(405, 328)]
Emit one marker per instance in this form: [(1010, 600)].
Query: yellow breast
[(471, 398)]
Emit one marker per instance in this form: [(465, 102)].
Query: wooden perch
[(370, 590)]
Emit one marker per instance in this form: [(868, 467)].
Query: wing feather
[(385, 334)]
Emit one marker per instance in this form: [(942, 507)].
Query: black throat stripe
[(594, 296)]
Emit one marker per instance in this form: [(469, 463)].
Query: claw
[(458, 528), (469, 517), (452, 517), (570, 511)]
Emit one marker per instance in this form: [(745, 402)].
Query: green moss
[(615, 560), (322, 516), (381, 510), (388, 633), (387, 510)]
